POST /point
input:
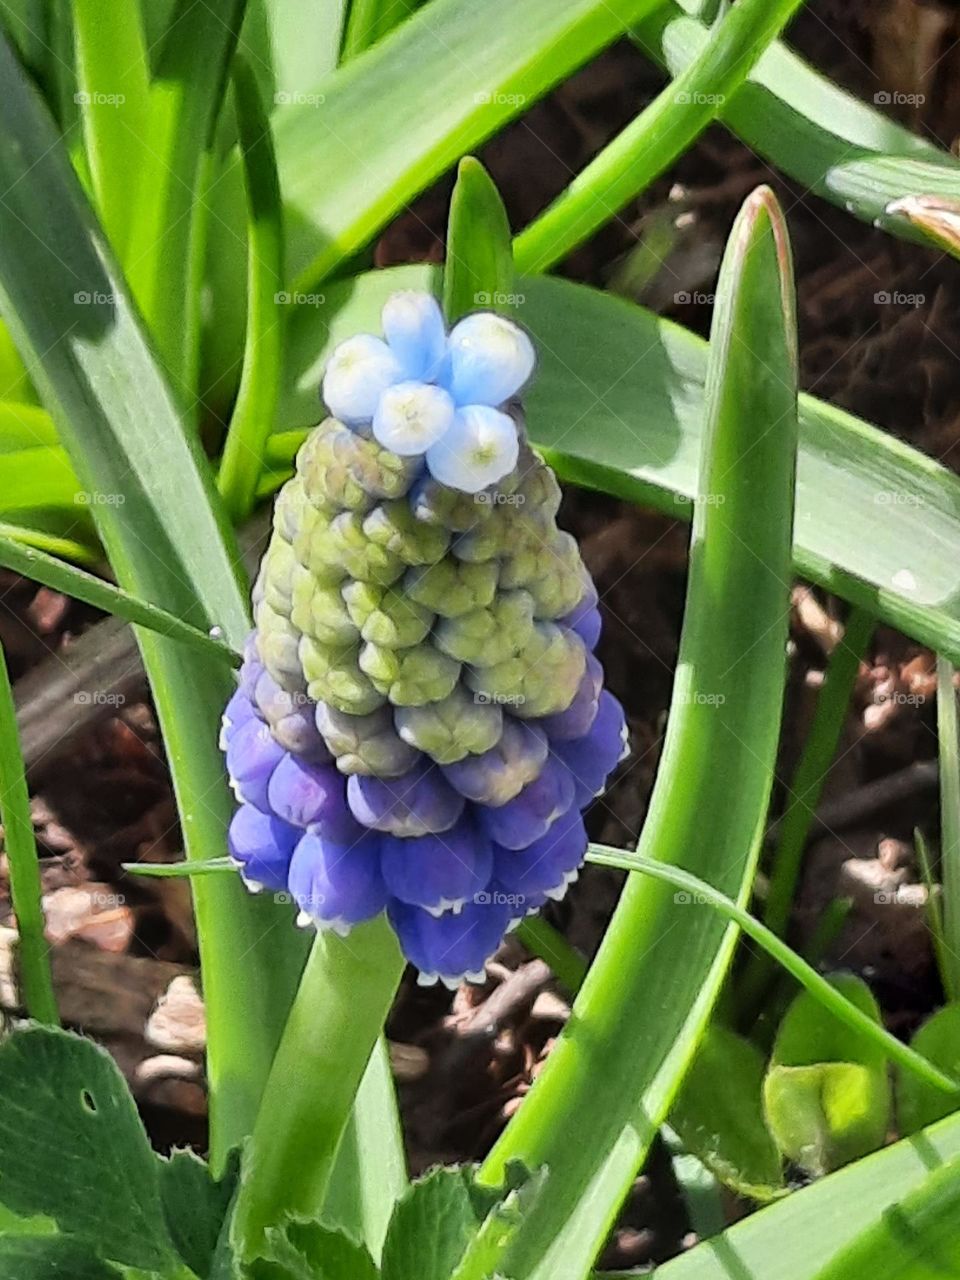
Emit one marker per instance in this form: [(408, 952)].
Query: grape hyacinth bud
[(420, 719)]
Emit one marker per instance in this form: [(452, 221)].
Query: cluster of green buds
[(421, 719)]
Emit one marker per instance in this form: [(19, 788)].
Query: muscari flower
[(420, 719)]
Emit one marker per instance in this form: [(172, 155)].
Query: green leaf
[(72, 1147), (51, 1258), (370, 20), (657, 137), (113, 79), (260, 382), (824, 138), (917, 1103), (826, 1093), (794, 1238), (195, 1205), (644, 1005), (435, 1222), (719, 1117), (478, 272), (630, 423), (54, 573), (949, 754), (916, 1239), (393, 121), (166, 541), (185, 95), (20, 846), (311, 1251)]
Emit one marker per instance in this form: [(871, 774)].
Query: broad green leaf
[(433, 1225), (266, 302), (370, 20), (166, 540), (20, 846), (916, 1239), (658, 136), (311, 1251), (185, 96), (719, 1117), (51, 1258), (113, 80), (54, 573), (478, 272), (826, 1094), (821, 136), (195, 1205), (72, 1147), (796, 1237), (647, 997), (393, 121), (917, 1103), (617, 405), (498, 1228), (304, 43)]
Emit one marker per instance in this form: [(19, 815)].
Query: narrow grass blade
[(370, 20), (616, 1068), (543, 940), (630, 423), (795, 1238), (33, 954), (698, 891), (113, 81), (478, 272), (658, 136), (41, 567), (185, 96), (256, 405), (451, 75), (165, 541), (181, 870), (804, 793), (935, 913), (824, 138), (947, 732)]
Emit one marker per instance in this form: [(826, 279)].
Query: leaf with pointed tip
[(478, 272), (195, 1205)]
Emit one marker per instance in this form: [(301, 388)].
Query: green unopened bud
[(278, 644), (410, 677), (341, 468), (541, 680), (321, 612), (392, 525), (334, 676), (492, 635), (367, 744), (453, 728), (452, 587), (397, 622)]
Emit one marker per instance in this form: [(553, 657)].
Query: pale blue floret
[(413, 326), (412, 416), (358, 373), (480, 448), (490, 359)]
